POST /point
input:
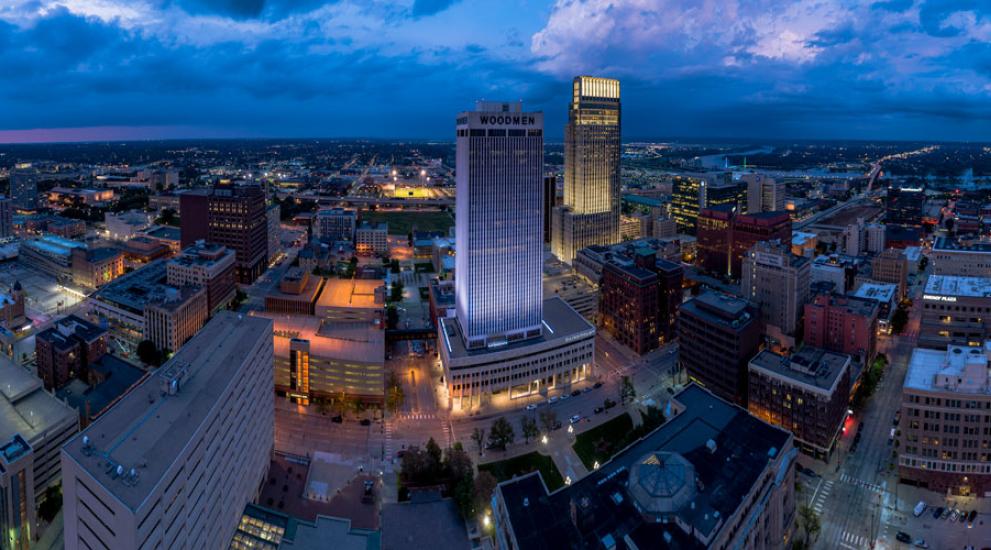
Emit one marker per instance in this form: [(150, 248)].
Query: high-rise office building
[(24, 186), (591, 209), (6, 217), (764, 194), (725, 236), (550, 203), (905, 205), (776, 281), (500, 159), (175, 461), (690, 194), (233, 216), (505, 337)]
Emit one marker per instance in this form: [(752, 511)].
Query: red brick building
[(724, 236), (67, 349), (843, 324), (639, 300)]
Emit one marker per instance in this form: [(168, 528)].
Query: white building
[(764, 194), (875, 237), (124, 226), (371, 239), (175, 461), (778, 282), (499, 230), (825, 268)]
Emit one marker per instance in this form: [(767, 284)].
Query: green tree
[(485, 484), (464, 496), (396, 295), (457, 463), (808, 522), (52, 504), (501, 433), (478, 436), (627, 393), (149, 353), (548, 419), (528, 427), (899, 320), (391, 317)]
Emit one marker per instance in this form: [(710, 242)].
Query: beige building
[(955, 310), (210, 266), (174, 319), (764, 194), (777, 281), (891, 266), (175, 461), (351, 300), (946, 407), (371, 239), (950, 257)]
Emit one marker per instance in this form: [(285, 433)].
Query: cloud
[(426, 8)]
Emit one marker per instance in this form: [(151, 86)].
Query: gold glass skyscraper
[(591, 209)]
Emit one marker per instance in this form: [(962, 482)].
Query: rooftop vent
[(711, 445)]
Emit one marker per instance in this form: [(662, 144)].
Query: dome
[(662, 483)]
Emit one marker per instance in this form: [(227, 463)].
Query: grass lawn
[(401, 223), (605, 440), (524, 464)]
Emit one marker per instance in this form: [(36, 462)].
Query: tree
[(923, 262), (394, 395), (52, 503), (435, 457), (391, 317), (397, 291), (627, 393), (346, 403), (528, 427), (808, 521), (899, 320), (167, 217), (548, 419), (478, 436), (457, 463), (501, 433), (149, 353), (464, 496), (485, 484)]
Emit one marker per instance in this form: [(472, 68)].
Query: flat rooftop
[(812, 366), (146, 430), (350, 293), (118, 375), (561, 323), (26, 408), (719, 308), (147, 284), (882, 292), (926, 364), (354, 342), (952, 285), (543, 521), (165, 233), (946, 244)]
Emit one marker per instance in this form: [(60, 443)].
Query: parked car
[(552, 400), (902, 536), (970, 518), (337, 419), (365, 422), (531, 407), (919, 509), (963, 516), (921, 544), (954, 514), (670, 390), (565, 396), (598, 410), (946, 513), (937, 512), (575, 418), (587, 389), (576, 393), (597, 385)]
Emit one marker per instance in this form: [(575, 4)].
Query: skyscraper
[(500, 176), (24, 186), (764, 194), (591, 209), (233, 216)]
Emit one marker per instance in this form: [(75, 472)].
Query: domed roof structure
[(662, 483)]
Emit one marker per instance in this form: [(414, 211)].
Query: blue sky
[(871, 69)]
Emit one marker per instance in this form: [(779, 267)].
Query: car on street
[(598, 410), (902, 536), (921, 544), (337, 419), (954, 515), (919, 509), (963, 516), (946, 513), (552, 400), (565, 396), (671, 390), (531, 407), (970, 518), (575, 418), (587, 389), (576, 393), (597, 385)]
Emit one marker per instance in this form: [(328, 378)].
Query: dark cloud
[(249, 9), (425, 8)]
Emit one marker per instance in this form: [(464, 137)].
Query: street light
[(543, 439)]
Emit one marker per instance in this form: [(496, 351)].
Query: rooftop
[(952, 285), (26, 408), (118, 377), (64, 332), (857, 306), (561, 323), (134, 290), (952, 245), (165, 232), (959, 369), (603, 506), (357, 342), (148, 428), (720, 308), (881, 292), (811, 366), (350, 293)]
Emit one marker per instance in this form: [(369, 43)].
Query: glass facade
[(499, 230)]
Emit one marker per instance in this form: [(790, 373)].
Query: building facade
[(891, 266), (905, 205), (764, 194), (951, 257), (182, 475), (499, 265), (955, 310), (371, 239), (173, 319), (237, 221), (842, 324), (24, 186), (718, 334), (639, 301), (777, 282), (944, 438), (807, 394), (590, 213), (335, 224), (725, 236), (66, 349), (210, 266)]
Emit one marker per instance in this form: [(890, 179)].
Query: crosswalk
[(819, 500), (417, 416), (873, 487), (853, 541), (389, 453)]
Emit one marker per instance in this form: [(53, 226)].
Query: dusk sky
[(141, 69)]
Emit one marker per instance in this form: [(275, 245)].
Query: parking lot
[(44, 297)]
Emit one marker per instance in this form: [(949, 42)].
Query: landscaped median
[(524, 464), (602, 442)]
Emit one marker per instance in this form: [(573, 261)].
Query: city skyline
[(113, 70)]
